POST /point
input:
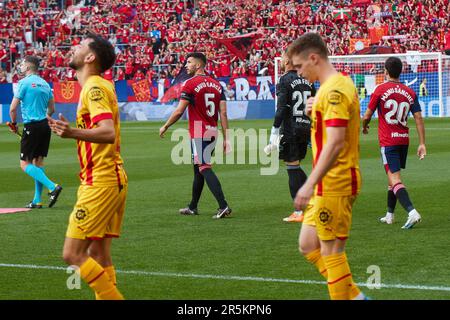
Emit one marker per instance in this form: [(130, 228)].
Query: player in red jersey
[(205, 98), (393, 102)]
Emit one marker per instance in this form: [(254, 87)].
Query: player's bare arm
[(224, 125), (51, 107), (103, 132), (366, 120), (332, 148), (421, 150), (174, 117)]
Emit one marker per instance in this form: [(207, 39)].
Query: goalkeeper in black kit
[(292, 127)]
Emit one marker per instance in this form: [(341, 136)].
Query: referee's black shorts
[(35, 140), (292, 149)]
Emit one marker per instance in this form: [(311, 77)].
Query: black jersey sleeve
[(280, 115), (282, 94), (282, 103)]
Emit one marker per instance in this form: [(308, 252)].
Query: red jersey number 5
[(210, 106)]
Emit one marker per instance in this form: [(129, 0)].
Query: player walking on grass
[(36, 99), (294, 127), (98, 213), (393, 102), (204, 98), (328, 194)]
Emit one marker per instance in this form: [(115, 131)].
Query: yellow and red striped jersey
[(101, 163), (337, 105)]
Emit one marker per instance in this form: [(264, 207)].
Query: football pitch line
[(231, 277)]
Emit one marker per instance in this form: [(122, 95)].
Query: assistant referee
[(36, 99)]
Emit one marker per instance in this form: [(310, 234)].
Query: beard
[(190, 71), (74, 65)]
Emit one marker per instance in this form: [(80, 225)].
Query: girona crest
[(67, 90)]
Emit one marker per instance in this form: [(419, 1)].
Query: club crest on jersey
[(96, 94), (325, 216), (81, 124), (81, 214), (334, 97)]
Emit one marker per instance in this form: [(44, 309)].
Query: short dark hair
[(197, 55), (34, 61), (394, 67), (103, 50), (308, 43)]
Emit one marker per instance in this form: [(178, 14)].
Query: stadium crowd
[(152, 37)]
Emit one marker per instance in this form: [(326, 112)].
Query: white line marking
[(224, 277)]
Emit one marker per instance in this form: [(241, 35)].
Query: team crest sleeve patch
[(334, 97), (96, 94)]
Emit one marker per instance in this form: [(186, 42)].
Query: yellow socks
[(98, 279), (340, 281), (316, 259), (111, 273)]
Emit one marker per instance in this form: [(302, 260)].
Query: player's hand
[(274, 136), (274, 141), (227, 146), (365, 125), (269, 148), (61, 127), (13, 127), (309, 104), (162, 131), (421, 151), (365, 129), (303, 196)]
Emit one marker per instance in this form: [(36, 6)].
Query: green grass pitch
[(163, 255)]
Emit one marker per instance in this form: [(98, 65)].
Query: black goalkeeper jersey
[(292, 93)]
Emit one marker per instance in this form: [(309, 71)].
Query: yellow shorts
[(98, 213), (332, 216)]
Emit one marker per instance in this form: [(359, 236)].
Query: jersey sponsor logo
[(33, 85), (96, 94), (208, 127), (334, 97), (302, 120), (67, 90), (325, 216), (399, 135)]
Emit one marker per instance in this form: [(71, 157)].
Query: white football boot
[(388, 219), (413, 218)]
